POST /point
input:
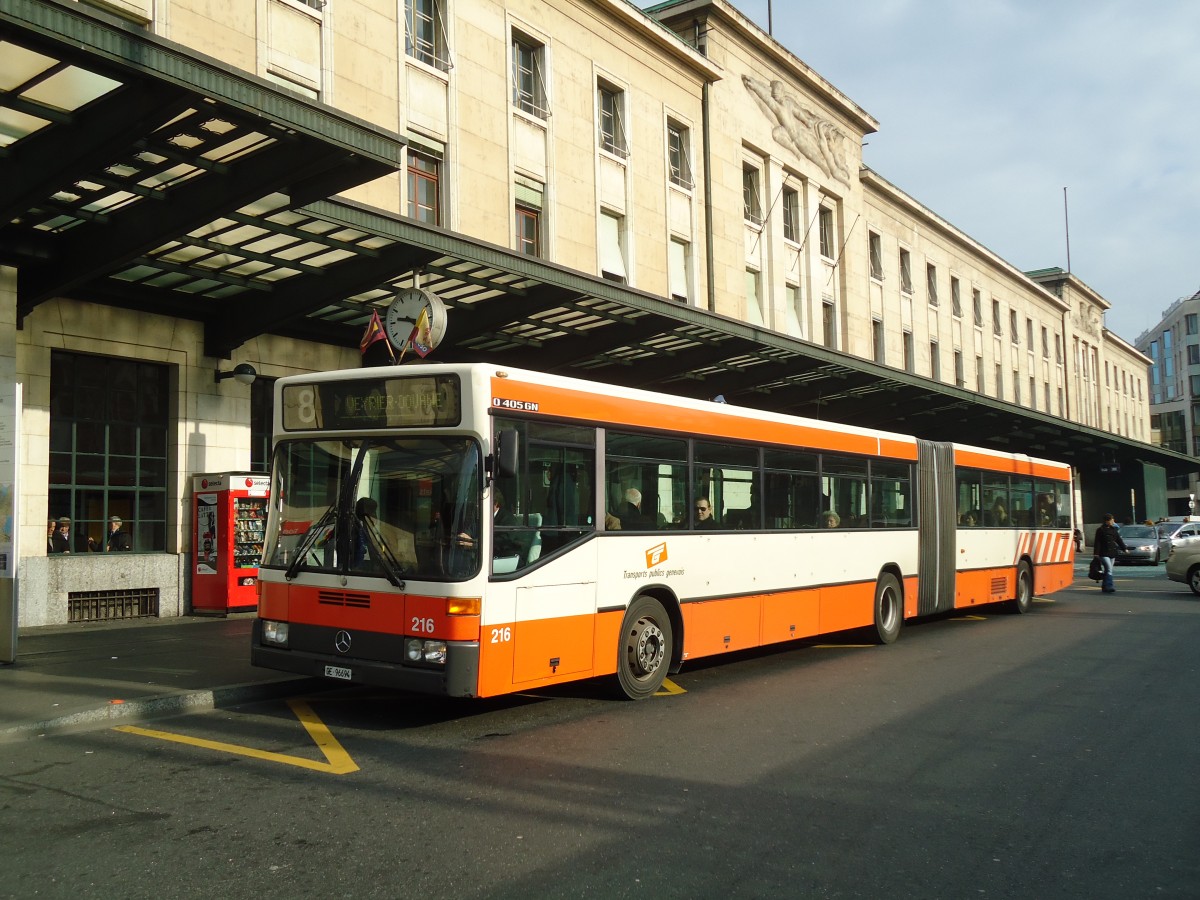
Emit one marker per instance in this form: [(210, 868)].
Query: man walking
[(1107, 545)]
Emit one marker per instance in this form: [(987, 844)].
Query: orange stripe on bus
[(1036, 469), (603, 408), (383, 613)]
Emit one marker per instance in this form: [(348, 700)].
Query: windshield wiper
[(310, 538), (380, 550)]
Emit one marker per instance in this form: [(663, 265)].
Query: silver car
[(1143, 544), (1184, 565)]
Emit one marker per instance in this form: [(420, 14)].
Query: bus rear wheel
[(1023, 602), (645, 649), (889, 608)]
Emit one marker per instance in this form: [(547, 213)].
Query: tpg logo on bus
[(656, 555)]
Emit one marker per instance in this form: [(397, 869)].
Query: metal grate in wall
[(102, 606)]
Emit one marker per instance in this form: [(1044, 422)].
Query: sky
[(988, 109)]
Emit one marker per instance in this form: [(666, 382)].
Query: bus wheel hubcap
[(648, 644)]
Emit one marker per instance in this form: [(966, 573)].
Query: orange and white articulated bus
[(472, 531)]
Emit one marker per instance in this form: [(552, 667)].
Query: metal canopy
[(136, 174)]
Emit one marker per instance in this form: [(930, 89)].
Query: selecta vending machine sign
[(229, 515)]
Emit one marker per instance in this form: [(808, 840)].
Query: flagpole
[(1067, 227)]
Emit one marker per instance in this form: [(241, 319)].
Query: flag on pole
[(373, 333), (422, 341)]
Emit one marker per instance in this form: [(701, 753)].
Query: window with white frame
[(875, 252), (425, 33), (751, 194), (754, 310), (931, 283), (528, 76), (610, 103), (678, 254), (829, 324), (906, 286), (612, 247), (791, 215), (679, 155), (977, 307), (1013, 334), (825, 226), (997, 322), (955, 297)]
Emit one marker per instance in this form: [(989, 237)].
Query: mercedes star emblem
[(341, 642)]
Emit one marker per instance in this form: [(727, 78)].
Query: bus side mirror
[(508, 449)]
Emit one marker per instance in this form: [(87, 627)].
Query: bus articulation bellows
[(472, 531)]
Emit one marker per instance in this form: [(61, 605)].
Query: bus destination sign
[(421, 401)]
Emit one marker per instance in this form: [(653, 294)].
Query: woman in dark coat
[(1107, 545)]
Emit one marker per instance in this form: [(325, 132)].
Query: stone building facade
[(679, 150)]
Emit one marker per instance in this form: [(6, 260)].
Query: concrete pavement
[(94, 675)]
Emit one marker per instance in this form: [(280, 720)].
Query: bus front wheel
[(889, 608), (644, 652), (1023, 602)]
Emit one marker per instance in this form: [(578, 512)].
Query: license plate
[(337, 672)]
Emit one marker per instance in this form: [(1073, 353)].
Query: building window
[(979, 385), (108, 448), (528, 230), (791, 215), (1016, 387), (751, 198), (1046, 395), (960, 379), (1013, 334), (262, 408), (906, 286), (997, 322), (754, 310), (1029, 335), (931, 284), (677, 269), (825, 224), (527, 218), (875, 251), (1058, 349), (611, 104), (529, 83), (424, 198), (795, 315), (877, 341), (679, 155), (1192, 323), (425, 33), (1032, 393), (955, 297), (612, 247), (1193, 354), (977, 307), (910, 363), (1046, 346), (935, 362), (999, 382), (829, 324)]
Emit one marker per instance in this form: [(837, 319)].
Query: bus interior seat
[(535, 542)]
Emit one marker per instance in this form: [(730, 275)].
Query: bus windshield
[(405, 507)]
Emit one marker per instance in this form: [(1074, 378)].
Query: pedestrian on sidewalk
[(1108, 544)]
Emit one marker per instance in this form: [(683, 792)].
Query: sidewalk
[(80, 677)]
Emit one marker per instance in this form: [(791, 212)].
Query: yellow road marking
[(338, 761), (969, 619), (668, 688)]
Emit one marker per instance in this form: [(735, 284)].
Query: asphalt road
[(989, 755)]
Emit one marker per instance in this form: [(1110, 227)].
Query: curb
[(149, 708)]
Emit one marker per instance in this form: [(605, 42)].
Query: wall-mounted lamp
[(243, 373)]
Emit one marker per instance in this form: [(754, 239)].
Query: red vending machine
[(229, 514)]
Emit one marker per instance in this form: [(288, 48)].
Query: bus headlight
[(275, 633), (421, 652)]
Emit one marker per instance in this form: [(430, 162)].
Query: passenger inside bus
[(704, 514), (830, 519)]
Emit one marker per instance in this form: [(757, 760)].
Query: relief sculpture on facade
[(800, 129)]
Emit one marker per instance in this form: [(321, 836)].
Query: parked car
[(1184, 565), (1143, 544)]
